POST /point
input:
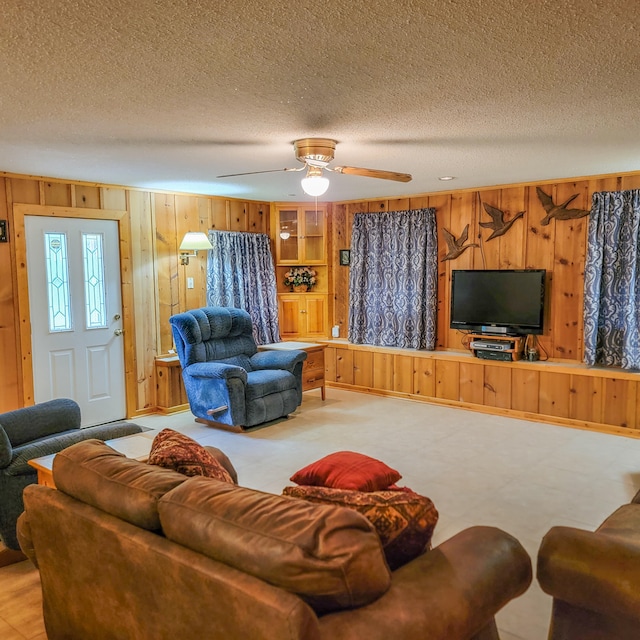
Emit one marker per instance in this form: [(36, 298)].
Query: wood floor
[(21, 603)]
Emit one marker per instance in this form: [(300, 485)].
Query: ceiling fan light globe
[(315, 185)]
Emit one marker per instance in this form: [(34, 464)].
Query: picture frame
[(345, 257)]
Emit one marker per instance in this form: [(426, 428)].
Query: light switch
[(189, 283)]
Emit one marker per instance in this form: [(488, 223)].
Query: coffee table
[(136, 446)]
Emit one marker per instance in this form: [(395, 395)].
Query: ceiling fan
[(316, 154)]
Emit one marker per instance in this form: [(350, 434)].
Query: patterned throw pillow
[(347, 470), (404, 520), (176, 451)]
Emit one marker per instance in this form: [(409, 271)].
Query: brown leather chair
[(594, 578)]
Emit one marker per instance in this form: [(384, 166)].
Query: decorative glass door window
[(59, 301), (94, 290)]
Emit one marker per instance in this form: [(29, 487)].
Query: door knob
[(118, 332)]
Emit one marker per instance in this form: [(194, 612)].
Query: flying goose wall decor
[(498, 223), (456, 246), (559, 211)]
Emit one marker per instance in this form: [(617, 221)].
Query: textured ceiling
[(171, 93)]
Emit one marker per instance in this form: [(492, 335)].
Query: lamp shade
[(195, 240)]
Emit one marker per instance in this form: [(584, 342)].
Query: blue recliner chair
[(227, 380), (32, 432)]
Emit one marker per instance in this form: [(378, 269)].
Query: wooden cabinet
[(301, 239), (301, 234), (170, 393), (302, 315), (313, 369)]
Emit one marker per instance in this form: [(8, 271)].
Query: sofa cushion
[(330, 556), (95, 473), (403, 519), (181, 453), (347, 470)]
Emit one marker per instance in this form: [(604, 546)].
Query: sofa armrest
[(40, 420), (275, 359), (6, 450), (591, 570), (452, 591), (53, 444), (216, 370), (25, 540)]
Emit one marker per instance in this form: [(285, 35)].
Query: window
[(59, 301), (94, 291)]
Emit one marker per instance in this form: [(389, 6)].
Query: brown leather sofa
[(594, 578), (130, 550)]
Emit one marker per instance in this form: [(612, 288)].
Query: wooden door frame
[(24, 312)]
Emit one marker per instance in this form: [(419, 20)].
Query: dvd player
[(493, 346), (493, 355)]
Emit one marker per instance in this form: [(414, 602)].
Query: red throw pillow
[(347, 470), (181, 453), (404, 520)]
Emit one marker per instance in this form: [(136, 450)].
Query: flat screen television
[(506, 301)]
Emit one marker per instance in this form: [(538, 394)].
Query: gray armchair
[(35, 431), (226, 379)]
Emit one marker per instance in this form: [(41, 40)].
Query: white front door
[(73, 268)]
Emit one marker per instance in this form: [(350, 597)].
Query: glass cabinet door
[(288, 235), (313, 235), (300, 235)]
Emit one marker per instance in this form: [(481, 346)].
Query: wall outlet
[(189, 283), (335, 331)]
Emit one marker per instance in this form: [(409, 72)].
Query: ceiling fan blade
[(374, 173), (251, 173)]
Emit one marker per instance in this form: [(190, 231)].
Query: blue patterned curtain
[(240, 273), (394, 278), (612, 281)]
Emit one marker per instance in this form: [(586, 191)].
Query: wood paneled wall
[(154, 282), (558, 247)]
